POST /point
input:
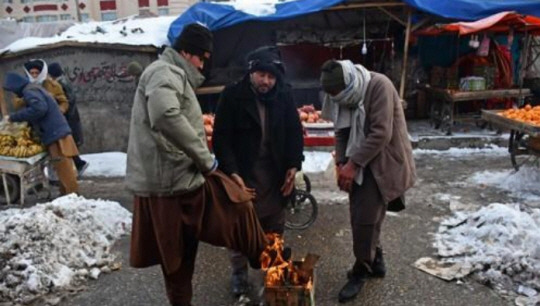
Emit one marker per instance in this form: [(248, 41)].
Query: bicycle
[(301, 209)]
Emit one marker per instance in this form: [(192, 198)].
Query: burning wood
[(286, 282)]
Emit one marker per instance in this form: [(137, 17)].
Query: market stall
[(22, 160), (317, 131), (524, 126), (484, 72)]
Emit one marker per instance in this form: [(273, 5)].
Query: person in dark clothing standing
[(72, 114), (258, 142)]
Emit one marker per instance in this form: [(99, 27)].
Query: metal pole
[(78, 10), (405, 55)]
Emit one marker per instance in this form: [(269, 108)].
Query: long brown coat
[(386, 149)]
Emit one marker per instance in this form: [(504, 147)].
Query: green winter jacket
[(167, 149)]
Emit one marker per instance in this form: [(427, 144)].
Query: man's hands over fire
[(240, 182), (288, 184), (346, 174)]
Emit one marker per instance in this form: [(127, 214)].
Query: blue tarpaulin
[(475, 9), (217, 16)]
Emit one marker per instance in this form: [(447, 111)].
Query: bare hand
[(346, 176), (240, 182), (288, 184)]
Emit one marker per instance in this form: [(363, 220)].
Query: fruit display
[(308, 114), (527, 114), (208, 120), (16, 141)]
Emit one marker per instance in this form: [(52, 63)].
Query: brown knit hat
[(332, 76)]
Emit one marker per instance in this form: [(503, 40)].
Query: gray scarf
[(346, 109)]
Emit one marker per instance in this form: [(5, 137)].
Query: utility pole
[(78, 10)]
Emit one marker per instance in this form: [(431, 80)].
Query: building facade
[(84, 10)]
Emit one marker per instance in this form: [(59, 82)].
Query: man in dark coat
[(258, 142), (373, 158), (72, 114), (42, 112)]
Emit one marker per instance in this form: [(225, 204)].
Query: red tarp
[(501, 22)]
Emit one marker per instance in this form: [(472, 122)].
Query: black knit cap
[(195, 39), (38, 64), (267, 58), (55, 70), (332, 77)]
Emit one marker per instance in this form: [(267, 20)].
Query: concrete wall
[(103, 88)]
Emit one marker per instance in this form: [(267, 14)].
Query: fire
[(279, 268)]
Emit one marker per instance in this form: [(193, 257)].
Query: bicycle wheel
[(301, 211)]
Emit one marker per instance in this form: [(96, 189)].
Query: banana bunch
[(7, 141), (21, 146)]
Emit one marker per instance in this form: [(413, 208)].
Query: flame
[(280, 272)]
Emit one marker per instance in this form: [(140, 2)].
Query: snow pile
[(57, 245), (499, 243), (129, 31), (256, 8), (522, 184), (108, 164)]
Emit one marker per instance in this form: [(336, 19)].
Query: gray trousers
[(270, 224), (367, 211)]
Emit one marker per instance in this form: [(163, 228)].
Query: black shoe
[(353, 286), (81, 168), (239, 283), (378, 268)]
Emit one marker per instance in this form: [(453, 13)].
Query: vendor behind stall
[(43, 113)]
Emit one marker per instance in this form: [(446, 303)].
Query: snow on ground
[(316, 161), (460, 152), (108, 164), (129, 31), (499, 244), (57, 245), (523, 184), (113, 164)]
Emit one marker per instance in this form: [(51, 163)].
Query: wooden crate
[(290, 295)]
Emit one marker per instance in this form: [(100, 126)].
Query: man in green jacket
[(180, 198)]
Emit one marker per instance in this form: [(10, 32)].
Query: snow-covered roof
[(129, 31)]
